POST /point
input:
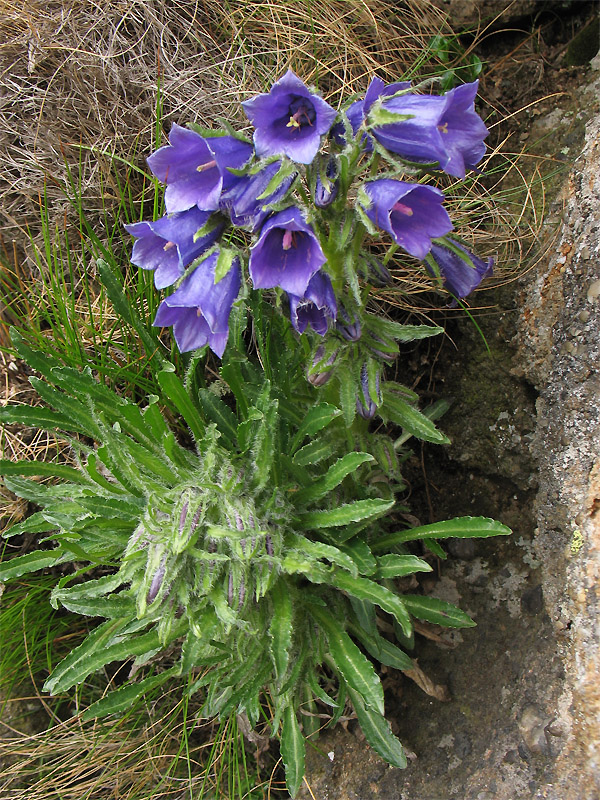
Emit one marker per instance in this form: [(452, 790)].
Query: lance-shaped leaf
[(459, 528), (313, 452), (354, 667), (280, 629), (397, 566), (437, 611), (123, 698), (319, 550), (345, 514), (292, 750), (333, 477), (32, 562), (317, 418), (215, 410), (377, 732), (175, 391), (382, 649), (365, 589), (411, 419), (43, 468), (44, 418)]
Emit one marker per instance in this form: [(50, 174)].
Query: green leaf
[(347, 387), (437, 611), (365, 589), (382, 649), (402, 333), (32, 562), (99, 649), (175, 390), (292, 751), (44, 418), (280, 629), (36, 523), (459, 528), (354, 667), (317, 418), (377, 732), (122, 699), (312, 453), (43, 468), (396, 410), (320, 550), (394, 566), (219, 412), (360, 552), (345, 514), (124, 309), (334, 476)]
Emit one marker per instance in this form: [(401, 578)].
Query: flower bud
[(348, 325), (376, 272), (321, 378), (364, 402), (157, 582), (326, 194)]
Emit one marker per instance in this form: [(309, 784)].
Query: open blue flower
[(241, 200), (411, 213), (287, 253), (317, 308), (195, 168), (199, 309), (459, 277), (167, 245), (359, 109), (445, 128), (289, 120)]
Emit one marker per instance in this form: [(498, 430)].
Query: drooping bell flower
[(443, 128), (317, 308), (195, 168), (325, 194), (459, 277), (167, 245), (289, 120), (462, 130), (241, 200), (199, 309), (411, 213), (287, 253)]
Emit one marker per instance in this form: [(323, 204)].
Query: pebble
[(593, 291), (531, 726), (584, 315)]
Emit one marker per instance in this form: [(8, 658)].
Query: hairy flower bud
[(325, 193), (320, 378), (365, 405)]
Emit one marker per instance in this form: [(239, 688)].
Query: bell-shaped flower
[(443, 128), (287, 253), (199, 309), (459, 277), (241, 201), (289, 120), (195, 168), (167, 245), (411, 213), (317, 308)]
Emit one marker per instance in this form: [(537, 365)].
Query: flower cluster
[(307, 190)]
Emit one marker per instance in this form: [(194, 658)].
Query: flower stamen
[(208, 165), (403, 209)]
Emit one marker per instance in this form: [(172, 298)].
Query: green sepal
[(225, 261)]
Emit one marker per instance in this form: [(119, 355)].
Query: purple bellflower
[(325, 195), (287, 253), (199, 309), (411, 213), (358, 110), (167, 246), (241, 200), (444, 128), (194, 168), (317, 308), (289, 120), (459, 277)]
